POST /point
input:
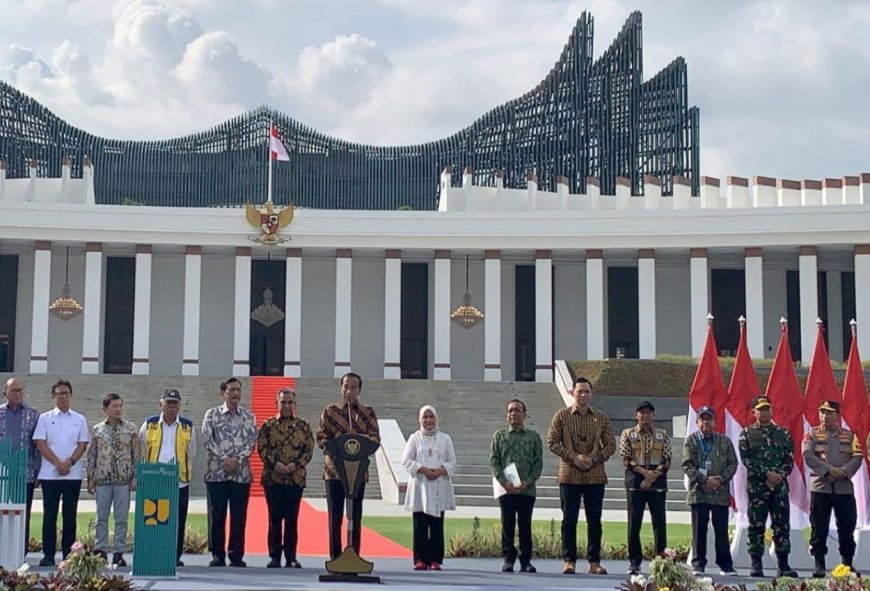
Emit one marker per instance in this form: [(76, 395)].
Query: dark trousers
[(52, 493), (638, 500), (335, 500), (516, 510), (220, 496), (702, 513), (845, 515), (283, 502), (428, 538), (30, 487), (592, 496), (183, 502)]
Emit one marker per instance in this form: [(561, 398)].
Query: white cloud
[(342, 72)]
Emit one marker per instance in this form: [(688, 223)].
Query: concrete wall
[(508, 320), (673, 309), (775, 306), (167, 314), (367, 319), (23, 313), (569, 310), (467, 345), (64, 337), (318, 317), (216, 324)]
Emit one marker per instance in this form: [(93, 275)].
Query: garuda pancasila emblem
[(269, 222)]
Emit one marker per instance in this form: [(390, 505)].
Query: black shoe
[(293, 563), (218, 561), (101, 553), (756, 570), (238, 563), (528, 568), (634, 569), (819, 569), (179, 563), (507, 567), (274, 563), (118, 559), (47, 561)]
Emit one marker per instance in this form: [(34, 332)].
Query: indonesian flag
[(821, 384), (707, 389), (856, 415), (276, 148), (741, 390), (788, 410)]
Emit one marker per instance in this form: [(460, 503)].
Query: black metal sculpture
[(585, 119)]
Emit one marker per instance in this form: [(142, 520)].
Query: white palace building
[(557, 275)]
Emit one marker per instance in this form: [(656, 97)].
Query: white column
[(41, 301), (543, 316), (595, 304), (93, 304), (809, 296), (835, 326), (142, 312), (343, 303), (492, 322), (392, 314), (699, 281), (754, 282), (646, 303), (242, 313), (862, 302), (192, 304), (293, 314), (441, 322)]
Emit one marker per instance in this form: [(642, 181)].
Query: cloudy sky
[(783, 85)]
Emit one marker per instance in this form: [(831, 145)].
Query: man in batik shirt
[(229, 432), (347, 416), (17, 423), (285, 445), (112, 455)]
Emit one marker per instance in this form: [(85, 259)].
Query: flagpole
[(269, 148)]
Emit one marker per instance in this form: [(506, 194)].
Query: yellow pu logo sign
[(156, 511)]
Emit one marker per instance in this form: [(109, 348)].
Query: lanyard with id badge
[(706, 449)]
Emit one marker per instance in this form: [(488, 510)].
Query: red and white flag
[(856, 415), (821, 384), (707, 389), (741, 390), (276, 148), (785, 395)]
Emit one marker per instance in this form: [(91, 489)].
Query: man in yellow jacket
[(167, 437)]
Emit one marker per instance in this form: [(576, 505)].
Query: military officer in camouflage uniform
[(834, 455), (766, 451)]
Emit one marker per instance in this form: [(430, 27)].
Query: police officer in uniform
[(646, 455), (834, 455), (767, 452)]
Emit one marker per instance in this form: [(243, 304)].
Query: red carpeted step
[(313, 539)]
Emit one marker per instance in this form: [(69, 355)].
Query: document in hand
[(512, 476)]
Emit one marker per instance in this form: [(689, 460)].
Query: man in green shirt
[(519, 447), (709, 462)]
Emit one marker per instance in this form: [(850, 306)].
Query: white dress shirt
[(62, 432)]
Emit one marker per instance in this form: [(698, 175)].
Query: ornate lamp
[(466, 315), (65, 307)]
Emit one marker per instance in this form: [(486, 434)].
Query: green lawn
[(398, 529)]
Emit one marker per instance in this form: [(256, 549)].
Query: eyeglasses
[(288, 402)]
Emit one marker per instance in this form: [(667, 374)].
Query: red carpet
[(313, 534), (312, 523)]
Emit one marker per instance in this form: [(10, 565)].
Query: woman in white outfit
[(430, 461)]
